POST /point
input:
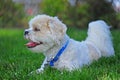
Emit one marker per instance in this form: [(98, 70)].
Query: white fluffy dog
[(48, 35)]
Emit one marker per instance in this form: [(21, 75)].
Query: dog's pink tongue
[(31, 44)]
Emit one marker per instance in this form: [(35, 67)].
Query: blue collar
[(58, 54)]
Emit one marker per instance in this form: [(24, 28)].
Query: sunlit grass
[(16, 61)]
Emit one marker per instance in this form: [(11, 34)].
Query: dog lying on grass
[(47, 34)]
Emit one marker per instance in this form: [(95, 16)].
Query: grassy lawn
[(16, 61)]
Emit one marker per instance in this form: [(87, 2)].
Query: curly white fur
[(53, 36)]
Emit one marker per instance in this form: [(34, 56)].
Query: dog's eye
[(36, 29)]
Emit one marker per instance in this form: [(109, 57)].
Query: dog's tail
[(99, 35)]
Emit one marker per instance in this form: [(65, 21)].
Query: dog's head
[(44, 32)]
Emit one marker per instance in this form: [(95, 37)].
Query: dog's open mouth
[(32, 44)]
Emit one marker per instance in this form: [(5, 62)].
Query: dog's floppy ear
[(58, 29)]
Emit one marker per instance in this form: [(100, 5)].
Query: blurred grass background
[(13, 14)]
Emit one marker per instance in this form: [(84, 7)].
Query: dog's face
[(44, 32)]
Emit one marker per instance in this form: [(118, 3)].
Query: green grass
[(16, 61)]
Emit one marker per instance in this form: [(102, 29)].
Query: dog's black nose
[(26, 32)]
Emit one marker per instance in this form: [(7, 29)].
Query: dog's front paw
[(38, 71)]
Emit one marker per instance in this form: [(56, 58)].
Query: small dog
[(48, 35)]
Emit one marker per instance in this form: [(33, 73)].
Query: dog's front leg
[(41, 69)]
